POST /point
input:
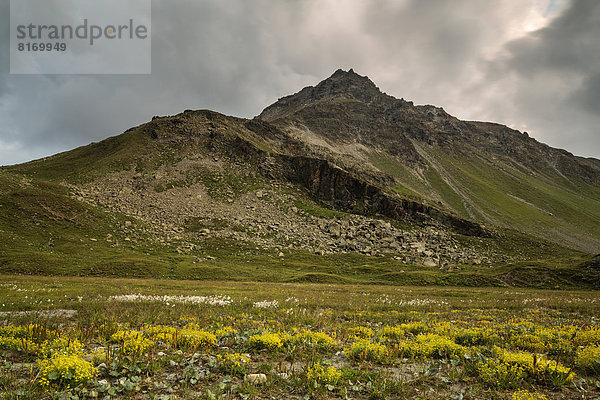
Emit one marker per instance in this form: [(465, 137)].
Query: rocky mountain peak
[(341, 85), (350, 83), (346, 85)]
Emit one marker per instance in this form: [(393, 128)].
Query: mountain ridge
[(443, 122)]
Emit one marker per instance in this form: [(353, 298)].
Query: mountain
[(480, 171), (338, 182)]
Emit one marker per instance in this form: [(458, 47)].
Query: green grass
[(412, 186), (45, 232), (449, 196), (313, 208), (63, 293), (84, 163), (546, 205)]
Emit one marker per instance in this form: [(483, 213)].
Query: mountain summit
[(341, 85), (339, 169)]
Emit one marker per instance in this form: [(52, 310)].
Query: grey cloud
[(569, 45), (588, 95), (553, 77), (4, 46), (238, 56)]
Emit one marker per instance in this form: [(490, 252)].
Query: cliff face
[(347, 192), (359, 193)]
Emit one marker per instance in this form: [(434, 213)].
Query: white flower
[(421, 302), (216, 300), (266, 304)]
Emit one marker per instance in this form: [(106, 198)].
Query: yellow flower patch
[(361, 332), (323, 375), (509, 368), (364, 350), (588, 359), (65, 371), (433, 346), (133, 342), (415, 328), (526, 395), (474, 336), (315, 339), (197, 338), (233, 363), (588, 337), (191, 336), (269, 341), (225, 331), (390, 334)]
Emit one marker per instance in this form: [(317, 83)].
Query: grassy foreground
[(76, 338)]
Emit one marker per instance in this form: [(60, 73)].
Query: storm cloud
[(533, 65)]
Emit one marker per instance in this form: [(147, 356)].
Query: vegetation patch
[(131, 338)]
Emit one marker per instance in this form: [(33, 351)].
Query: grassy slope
[(499, 193), (86, 162), (542, 206), (44, 231)]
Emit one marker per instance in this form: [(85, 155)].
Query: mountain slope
[(484, 172), (339, 182)]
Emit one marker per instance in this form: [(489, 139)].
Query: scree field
[(79, 338)]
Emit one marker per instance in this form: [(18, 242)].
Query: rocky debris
[(267, 217)]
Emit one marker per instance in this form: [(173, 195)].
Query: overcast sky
[(533, 65)]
